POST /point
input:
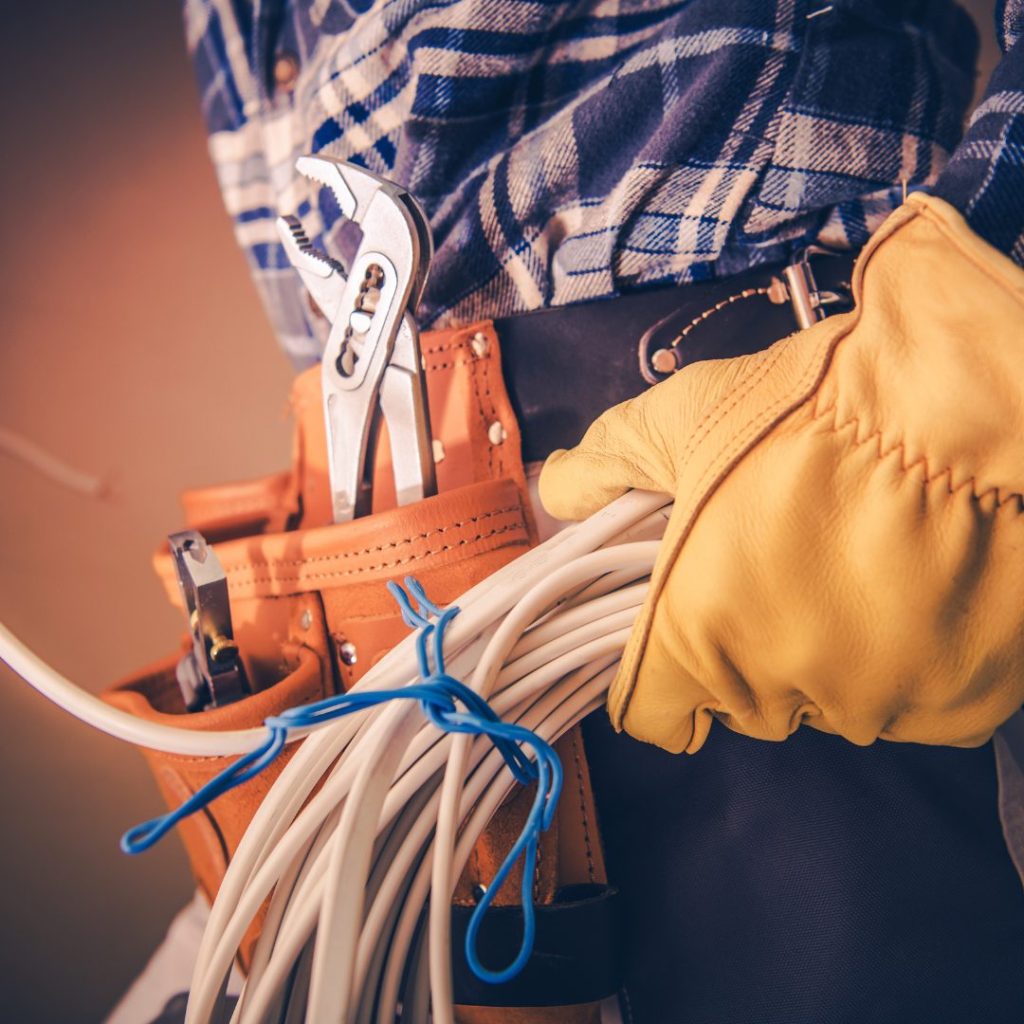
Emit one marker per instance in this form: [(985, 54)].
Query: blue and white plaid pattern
[(985, 178), (570, 151)]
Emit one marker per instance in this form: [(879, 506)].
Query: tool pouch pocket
[(311, 615)]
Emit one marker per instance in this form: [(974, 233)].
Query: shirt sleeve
[(984, 179)]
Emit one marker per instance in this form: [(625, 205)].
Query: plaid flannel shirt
[(567, 152)]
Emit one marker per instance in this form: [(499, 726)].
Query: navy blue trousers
[(810, 882)]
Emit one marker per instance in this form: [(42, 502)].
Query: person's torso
[(567, 152)]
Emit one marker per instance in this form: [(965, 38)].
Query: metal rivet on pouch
[(479, 892), (665, 360), (223, 649), (306, 619), (349, 654), (438, 446), (479, 344), (496, 433), (286, 70)]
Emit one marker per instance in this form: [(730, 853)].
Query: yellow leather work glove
[(847, 542)]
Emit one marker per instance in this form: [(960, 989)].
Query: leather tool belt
[(311, 613)]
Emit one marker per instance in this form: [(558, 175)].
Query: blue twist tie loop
[(437, 693)]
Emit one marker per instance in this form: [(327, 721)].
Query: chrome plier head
[(371, 365)]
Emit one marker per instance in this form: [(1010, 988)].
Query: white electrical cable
[(360, 842), (113, 721), (537, 600), (328, 797), (616, 646), (348, 869), (542, 568)]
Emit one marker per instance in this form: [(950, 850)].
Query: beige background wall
[(132, 345)]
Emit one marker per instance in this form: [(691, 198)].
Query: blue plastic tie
[(437, 693)]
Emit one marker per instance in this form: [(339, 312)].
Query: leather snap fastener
[(286, 70)]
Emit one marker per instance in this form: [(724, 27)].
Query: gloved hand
[(846, 546)]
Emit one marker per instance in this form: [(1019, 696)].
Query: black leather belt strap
[(575, 951), (564, 367)]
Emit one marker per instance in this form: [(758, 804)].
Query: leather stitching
[(341, 555), (450, 365), (454, 346), (486, 373), (747, 385), (715, 415), (474, 376), (305, 577), (583, 807), (905, 467), (740, 440), (707, 314)]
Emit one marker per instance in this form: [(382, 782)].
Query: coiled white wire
[(349, 869)]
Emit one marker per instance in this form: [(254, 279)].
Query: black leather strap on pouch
[(563, 367), (575, 953)]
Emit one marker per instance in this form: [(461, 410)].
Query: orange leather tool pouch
[(311, 613)]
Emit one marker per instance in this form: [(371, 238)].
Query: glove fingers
[(664, 704), (615, 455), (633, 445)]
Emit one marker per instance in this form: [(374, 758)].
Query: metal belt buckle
[(808, 302)]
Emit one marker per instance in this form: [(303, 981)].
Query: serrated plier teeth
[(320, 274), (331, 174)]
